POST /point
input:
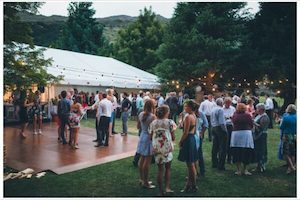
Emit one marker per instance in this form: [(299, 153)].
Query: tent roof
[(92, 70)]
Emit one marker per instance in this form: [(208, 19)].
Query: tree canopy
[(82, 33), (201, 37), (137, 43), (23, 64)]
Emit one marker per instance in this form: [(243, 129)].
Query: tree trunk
[(289, 96)]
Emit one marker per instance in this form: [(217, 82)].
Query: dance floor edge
[(43, 152)]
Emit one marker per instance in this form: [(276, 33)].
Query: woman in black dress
[(23, 112)]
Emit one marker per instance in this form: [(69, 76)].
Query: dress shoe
[(95, 140), (98, 145)]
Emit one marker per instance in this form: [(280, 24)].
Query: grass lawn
[(120, 178)]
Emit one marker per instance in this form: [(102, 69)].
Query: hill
[(46, 29)]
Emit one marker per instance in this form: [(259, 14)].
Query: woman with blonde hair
[(241, 144)]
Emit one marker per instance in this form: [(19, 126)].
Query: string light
[(248, 91), (204, 76), (187, 83), (229, 84), (213, 89), (272, 82), (233, 79), (177, 82), (199, 79), (177, 86), (278, 91), (248, 84), (245, 80), (204, 83), (280, 81), (173, 82), (240, 85), (287, 80), (192, 80)]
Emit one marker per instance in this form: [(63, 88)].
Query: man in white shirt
[(106, 110), (96, 99), (229, 110), (219, 133), (160, 100), (269, 109), (206, 107), (96, 105)]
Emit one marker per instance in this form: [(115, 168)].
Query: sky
[(109, 8)]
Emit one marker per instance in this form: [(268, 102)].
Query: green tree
[(201, 38), (82, 33), (138, 42), (274, 39), (23, 64)]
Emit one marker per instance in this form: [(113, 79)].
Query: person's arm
[(250, 121), (222, 120), (186, 127), (138, 125), (204, 125)]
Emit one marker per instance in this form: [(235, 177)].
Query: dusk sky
[(105, 9)]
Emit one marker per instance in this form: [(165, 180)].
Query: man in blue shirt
[(219, 133)]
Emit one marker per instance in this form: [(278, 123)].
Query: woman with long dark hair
[(23, 112)]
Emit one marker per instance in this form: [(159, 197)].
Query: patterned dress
[(162, 139)]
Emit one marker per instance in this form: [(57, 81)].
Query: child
[(162, 133)]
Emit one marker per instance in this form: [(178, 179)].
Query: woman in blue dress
[(188, 147), (145, 144)]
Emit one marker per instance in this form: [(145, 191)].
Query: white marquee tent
[(91, 70)]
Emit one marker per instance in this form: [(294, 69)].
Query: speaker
[(41, 89)]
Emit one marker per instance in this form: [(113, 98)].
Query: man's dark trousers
[(219, 148)]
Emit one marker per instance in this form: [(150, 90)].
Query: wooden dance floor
[(43, 152)]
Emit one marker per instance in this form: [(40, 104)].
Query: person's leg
[(97, 130), (209, 129), (23, 128), (141, 165), (106, 131), (100, 131), (126, 120), (123, 122), (113, 125), (159, 178), (222, 149), (34, 124), (201, 160), (76, 131), (214, 152), (136, 159), (110, 129), (168, 176), (146, 169), (62, 130), (229, 157), (58, 133), (40, 123)]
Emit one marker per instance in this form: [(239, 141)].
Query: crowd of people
[(237, 126)]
